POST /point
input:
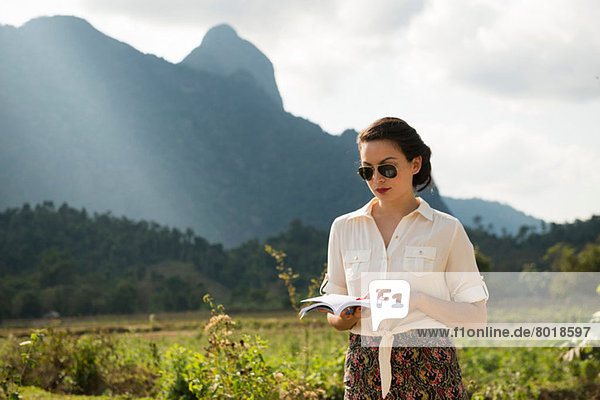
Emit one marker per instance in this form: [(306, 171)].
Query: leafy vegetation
[(297, 361), (65, 260), (166, 365), (511, 253), (65, 363)]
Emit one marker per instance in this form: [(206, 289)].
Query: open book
[(334, 303)]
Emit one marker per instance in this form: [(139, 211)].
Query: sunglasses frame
[(363, 174)]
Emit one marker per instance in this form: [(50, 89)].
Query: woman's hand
[(345, 321), (416, 297), (450, 313)]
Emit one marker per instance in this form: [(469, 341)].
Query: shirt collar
[(365, 211)]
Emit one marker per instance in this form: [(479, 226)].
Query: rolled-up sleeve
[(335, 280), (462, 275)]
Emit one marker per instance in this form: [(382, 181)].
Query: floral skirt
[(417, 372)]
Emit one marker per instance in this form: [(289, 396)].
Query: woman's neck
[(398, 208)]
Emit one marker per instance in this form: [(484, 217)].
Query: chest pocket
[(419, 260), (355, 262)]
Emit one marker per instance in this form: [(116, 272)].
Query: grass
[(35, 393), (312, 345)]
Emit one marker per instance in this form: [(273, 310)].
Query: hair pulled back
[(408, 141)]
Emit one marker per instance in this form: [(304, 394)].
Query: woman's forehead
[(376, 151)]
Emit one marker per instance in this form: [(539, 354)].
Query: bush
[(229, 369), (64, 363)]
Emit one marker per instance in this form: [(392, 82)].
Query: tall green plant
[(287, 275), (584, 358), (229, 369), (11, 376)]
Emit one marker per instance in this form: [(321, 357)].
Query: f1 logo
[(389, 299)]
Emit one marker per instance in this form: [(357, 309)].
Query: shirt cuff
[(473, 294), (332, 288)]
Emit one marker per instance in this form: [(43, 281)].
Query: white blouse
[(430, 249)]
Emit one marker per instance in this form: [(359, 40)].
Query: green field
[(281, 357)]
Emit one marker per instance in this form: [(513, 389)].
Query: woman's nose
[(377, 176)]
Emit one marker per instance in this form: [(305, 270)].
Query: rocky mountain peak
[(223, 52)]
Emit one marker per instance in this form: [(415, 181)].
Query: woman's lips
[(382, 190)]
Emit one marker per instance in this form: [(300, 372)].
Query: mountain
[(91, 121), (223, 52), (493, 216)]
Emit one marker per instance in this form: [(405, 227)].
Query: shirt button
[(356, 257), (396, 237), (420, 251)]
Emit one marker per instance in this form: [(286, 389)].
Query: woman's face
[(384, 152)]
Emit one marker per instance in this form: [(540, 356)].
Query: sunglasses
[(387, 170)]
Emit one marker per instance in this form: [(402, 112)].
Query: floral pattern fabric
[(418, 373)]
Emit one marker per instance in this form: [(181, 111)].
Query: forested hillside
[(76, 263), (511, 253), (66, 260)]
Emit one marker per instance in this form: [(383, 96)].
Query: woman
[(398, 233)]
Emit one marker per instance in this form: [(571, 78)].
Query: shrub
[(64, 363), (229, 369)]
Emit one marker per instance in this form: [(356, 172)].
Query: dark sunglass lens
[(389, 171), (366, 173)]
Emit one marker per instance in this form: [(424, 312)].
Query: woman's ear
[(416, 164)]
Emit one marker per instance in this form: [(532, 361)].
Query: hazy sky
[(506, 93)]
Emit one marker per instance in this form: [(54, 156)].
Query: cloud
[(531, 49), (302, 36), (17, 12), (377, 18), (522, 168)]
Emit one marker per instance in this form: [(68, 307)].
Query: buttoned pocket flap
[(420, 252), (419, 260), (355, 262), (356, 256)]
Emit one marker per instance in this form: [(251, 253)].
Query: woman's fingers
[(353, 315), (366, 313)]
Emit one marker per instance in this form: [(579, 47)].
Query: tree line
[(67, 261)]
